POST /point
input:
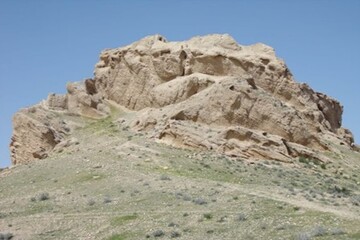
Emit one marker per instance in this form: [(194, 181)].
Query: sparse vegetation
[(339, 190), (313, 161), (296, 208), (318, 231), (355, 200), (123, 219), (172, 224), (208, 216), (241, 217), (303, 236), (303, 160), (337, 231), (43, 196), (170, 189), (175, 234), (91, 202), (165, 178), (200, 201), (107, 199), (117, 237), (158, 233)]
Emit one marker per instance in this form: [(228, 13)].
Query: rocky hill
[(183, 140), (206, 93)]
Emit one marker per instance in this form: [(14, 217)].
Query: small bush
[(355, 200), (303, 236), (318, 231), (205, 165), (158, 233), (282, 227), (337, 231), (303, 160), (199, 201), (91, 202), (208, 216), (165, 178), (222, 219), (43, 196), (186, 198), (241, 217), (339, 190), (175, 234), (107, 199), (172, 224), (316, 162)]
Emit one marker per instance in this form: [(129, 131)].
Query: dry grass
[(152, 185)]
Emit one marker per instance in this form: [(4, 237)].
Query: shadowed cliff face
[(208, 92)]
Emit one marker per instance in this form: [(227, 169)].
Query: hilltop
[(208, 92)]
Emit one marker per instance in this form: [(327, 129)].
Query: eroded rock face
[(38, 130), (213, 81), (132, 75), (246, 93)]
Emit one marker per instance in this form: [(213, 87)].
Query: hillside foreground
[(115, 183)]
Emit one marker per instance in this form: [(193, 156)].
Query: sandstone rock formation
[(39, 129), (208, 92)]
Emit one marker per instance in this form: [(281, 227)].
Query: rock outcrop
[(208, 92), (39, 129)]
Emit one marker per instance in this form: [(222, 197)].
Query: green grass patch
[(305, 160), (121, 220), (355, 235), (120, 236), (39, 207), (208, 216), (85, 177)]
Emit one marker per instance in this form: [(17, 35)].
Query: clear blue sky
[(46, 43)]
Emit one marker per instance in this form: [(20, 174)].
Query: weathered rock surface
[(208, 92), (39, 129), (36, 132)]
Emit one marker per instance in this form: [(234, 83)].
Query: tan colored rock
[(83, 100), (65, 144), (186, 90), (57, 101), (36, 132), (232, 101), (132, 75)]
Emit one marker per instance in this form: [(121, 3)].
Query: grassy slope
[(117, 184)]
